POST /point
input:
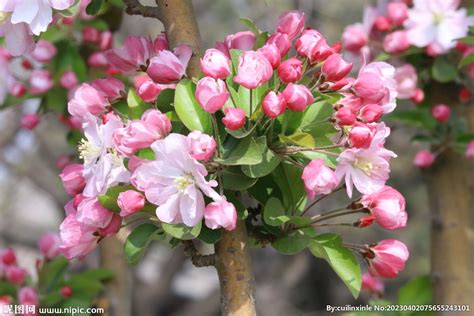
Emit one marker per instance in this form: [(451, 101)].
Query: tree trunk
[(232, 258), (450, 184)]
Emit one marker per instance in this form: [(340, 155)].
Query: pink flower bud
[(382, 24), (371, 113), (318, 178), (66, 291), (388, 207), (73, 178), (321, 51), (234, 118), (387, 258), (134, 162), (291, 23), (298, 97), (424, 159), (17, 89), (90, 35), (168, 67), (49, 244), (87, 100), (105, 40), (132, 56), (160, 122), (370, 87), (307, 41), (112, 88), (68, 80), (290, 70), (344, 116), (365, 221), (335, 68), (372, 284), (7, 256), (203, 146), (63, 161), (274, 104), (77, 239), (469, 153), (396, 42), (28, 296), (161, 42), (215, 64), (40, 81), (272, 53), (354, 37), (253, 70), (97, 60), (113, 227), (241, 40), (397, 13), (44, 51), (361, 135), (418, 96), (281, 41), (406, 79), (211, 94), (441, 113), (130, 202), (30, 121), (91, 213), (464, 95), (220, 214), (148, 91), (15, 275)]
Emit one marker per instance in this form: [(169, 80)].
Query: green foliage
[(269, 161), (245, 151), (109, 199), (138, 240), (135, 104), (443, 70), (233, 179), (210, 236), (94, 7), (274, 213), (294, 242), (466, 60), (52, 274), (182, 231), (420, 118), (287, 177)]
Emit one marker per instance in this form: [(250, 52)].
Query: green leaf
[(466, 40), (109, 199), (210, 236), (269, 161), (136, 105), (383, 57), (100, 274), (264, 189), (94, 7), (273, 213), (466, 60), (6, 288), (233, 179), (188, 110), (83, 287), (316, 113), (235, 57), (293, 243), (342, 260), (181, 231), (300, 139), (443, 70), (418, 291), (261, 40), (138, 241), (52, 274), (250, 25), (288, 179), (146, 153), (245, 151), (417, 118)]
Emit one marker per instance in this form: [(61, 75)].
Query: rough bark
[(450, 184)]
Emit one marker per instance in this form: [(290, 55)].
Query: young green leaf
[(138, 241), (274, 213), (94, 7), (181, 231), (245, 151), (295, 242), (269, 161)]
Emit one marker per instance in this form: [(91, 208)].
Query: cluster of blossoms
[(403, 30)]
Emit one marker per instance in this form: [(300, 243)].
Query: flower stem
[(216, 134)]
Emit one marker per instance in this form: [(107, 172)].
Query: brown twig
[(198, 259), (134, 7)]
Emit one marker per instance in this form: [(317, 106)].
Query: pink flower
[(77, 239), (370, 113), (66, 291), (175, 182), (91, 213), (361, 135), (354, 37), (105, 40), (406, 79), (68, 80), (234, 118), (49, 244), (241, 40), (290, 70), (87, 100), (298, 97), (423, 159), (73, 178), (215, 64), (318, 178), (40, 81), (281, 41), (272, 53), (469, 153), (220, 214), (112, 88), (161, 42), (464, 94), (18, 37), (418, 96), (130, 202), (437, 23), (28, 296), (397, 12), (44, 51), (148, 91), (307, 41), (30, 121), (382, 24), (90, 35), (167, 67), (17, 89), (211, 94), (441, 113), (396, 42), (97, 59), (291, 23), (203, 146), (253, 70), (335, 68), (7, 256), (133, 55), (344, 116), (274, 104), (15, 275), (321, 51), (387, 258), (388, 207), (372, 284), (113, 227)]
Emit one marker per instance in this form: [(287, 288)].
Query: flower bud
[(44, 51), (7, 256), (68, 80), (112, 228), (30, 121), (168, 67), (382, 24), (298, 97), (272, 53), (203, 146), (465, 95), (354, 37), (335, 68), (87, 100), (241, 40), (396, 42), (370, 87), (469, 153), (387, 258), (97, 60), (418, 96), (291, 23), (318, 178), (28, 296), (211, 94), (388, 207), (372, 284), (371, 113), (397, 13), (130, 202), (105, 40), (73, 178), (112, 88), (253, 70), (148, 91), (15, 275), (49, 244), (424, 159), (17, 89), (90, 35), (66, 291), (215, 64), (220, 214), (133, 55), (441, 113), (161, 42), (91, 213), (274, 104), (290, 70), (361, 136), (321, 51), (344, 116), (234, 118), (406, 79), (281, 41), (307, 41), (40, 81)]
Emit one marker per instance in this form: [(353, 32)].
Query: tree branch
[(134, 7), (198, 259)]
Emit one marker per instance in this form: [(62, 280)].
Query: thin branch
[(134, 7), (198, 259)]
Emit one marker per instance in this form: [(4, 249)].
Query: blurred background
[(165, 282)]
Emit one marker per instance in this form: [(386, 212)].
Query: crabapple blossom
[(274, 104), (169, 67), (44, 51), (354, 37), (49, 244), (388, 207), (290, 70), (15, 275), (318, 178), (73, 178), (211, 94), (77, 239), (387, 258), (148, 91), (30, 121), (335, 68), (40, 81), (298, 97), (220, 214), (8, 256), (130, 202), (469, 153), (396, 42), (291, 23), (272, 53), (215, 64), (202, 145), (361, 135), (241, 40), (253, 70), (91, 213), (397, 12), (424, 159), (372, 284), (370, 113), (281, 41), (135, 52), (344, 116), (68, 80), (87, 100), (28, 296), (441, 113), (234, 118), (406, 79), (112, 88)]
